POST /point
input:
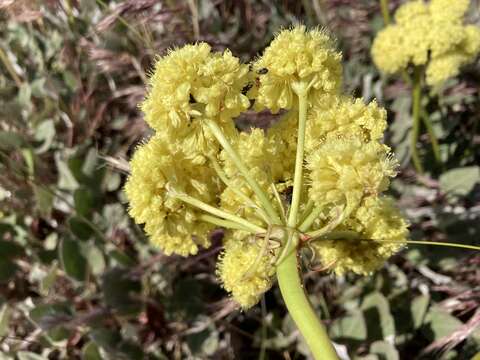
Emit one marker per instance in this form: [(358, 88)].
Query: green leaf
[(352, 326), (96, 259), (7, 270), (186, 300), (9, 139), (114, 345), (72, 259), (84, 201), (380, 322), (419, 309), (44, 200), (50, 315), (49, 280), (204, 343), (51, 318), (66, 178), (105, 338), (121, 291), (460, 181), (80, 228), (384, 350), (45, 133), (440, 323), (70, 80), (91, 352), (9, 249)]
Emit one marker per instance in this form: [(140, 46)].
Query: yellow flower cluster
[(358, 246), (156, 173), (246, 269), (198, 171), (192, 84), (345, 171), (297, 55), (428, 34)]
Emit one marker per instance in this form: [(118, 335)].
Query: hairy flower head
[(246, 269), (191, 84), (345, 171), (297, 55), (428, 34), (171, 224), (343, 117), (361, 244)]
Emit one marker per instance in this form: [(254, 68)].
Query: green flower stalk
[(431, 40), (313, 181)]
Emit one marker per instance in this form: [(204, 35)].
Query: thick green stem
[(302, 92), (262, 197), (431, 134), (385, 12), (300, 308), (416, 99), (288, 275)]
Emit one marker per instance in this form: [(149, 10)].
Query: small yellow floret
[(246, 270), (297, 55), (357, 250), (171, 225)]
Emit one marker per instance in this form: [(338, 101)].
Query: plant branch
[(217, 212), (431, 134), (261, 195), (416, 99), (302, 92)]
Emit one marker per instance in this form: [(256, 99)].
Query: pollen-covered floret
[(428, 34), (361, 244), (297, 55), (171, 224), (191, 84), (246, 269), (345, 171)]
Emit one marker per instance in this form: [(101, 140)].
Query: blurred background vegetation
[(78, 279)]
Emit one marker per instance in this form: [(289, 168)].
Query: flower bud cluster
[(184, 181), (428, 34)]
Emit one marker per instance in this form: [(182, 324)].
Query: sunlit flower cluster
[(428, 34), (199, 172)]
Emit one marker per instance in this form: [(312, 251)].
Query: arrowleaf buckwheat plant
[(432, 42), (314, 181)]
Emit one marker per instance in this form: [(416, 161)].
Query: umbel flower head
[(192, 84), (428, 34), (297, 55), (156, 173), (313, 180)]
